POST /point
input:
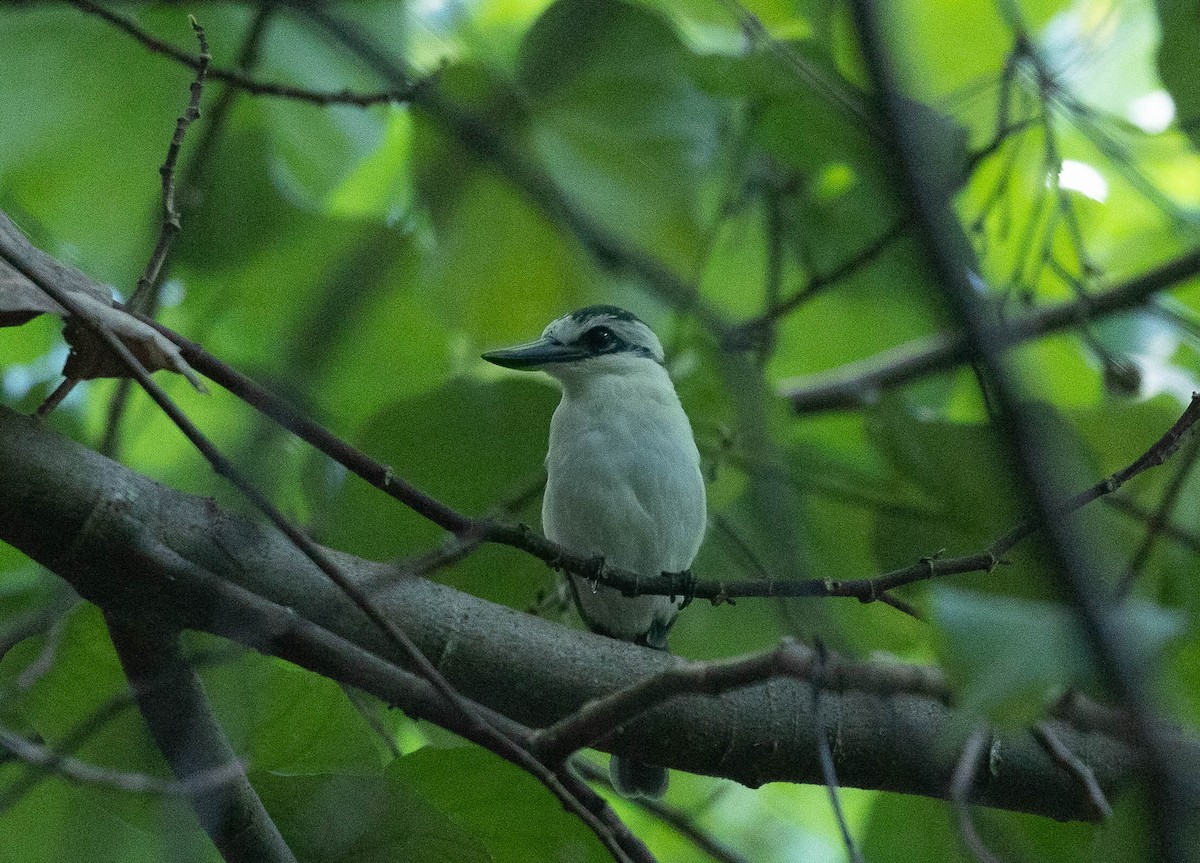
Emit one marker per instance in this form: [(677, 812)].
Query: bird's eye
[(598, 339)]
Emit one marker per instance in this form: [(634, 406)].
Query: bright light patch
[(430, 10), (1083, 178), (1153, 112)]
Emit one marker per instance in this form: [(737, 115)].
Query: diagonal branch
[(940, 237), (172, 701), (859, 383), (475, 530), (597, 719)]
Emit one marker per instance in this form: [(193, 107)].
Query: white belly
[(625, 485)]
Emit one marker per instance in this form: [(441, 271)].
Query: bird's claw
[(686, 582)]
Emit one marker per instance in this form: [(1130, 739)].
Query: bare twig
[(470, 531), (44, 661), (748, 332), (147, 292), (1172, 531), (242, 81), (1159, 520), (41, 618), (169, 224), (597, 719), (960, 794), (138, 783)]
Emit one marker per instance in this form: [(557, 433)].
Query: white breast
[(624, 483)]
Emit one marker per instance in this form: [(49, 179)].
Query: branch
[(173, 703), (960, 791), (747, 333), (940, 237), (401, 94), (856, 384), (1070, 762), (169, 225), (128, 544), (194, 169), (597, 719), (472, 531), (80, 771)]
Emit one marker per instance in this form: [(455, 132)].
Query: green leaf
[(616, 119), (516, 818), (438, 442), (1009, 655), (348, 818)]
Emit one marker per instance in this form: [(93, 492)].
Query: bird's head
[(598, 340)]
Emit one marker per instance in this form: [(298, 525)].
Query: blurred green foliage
[(358, 260)]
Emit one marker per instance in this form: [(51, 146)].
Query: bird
[(623, 478)]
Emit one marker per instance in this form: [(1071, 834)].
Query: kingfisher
[(623, 478)]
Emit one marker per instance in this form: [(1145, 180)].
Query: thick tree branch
[(119, 537)]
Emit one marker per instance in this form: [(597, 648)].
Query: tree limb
[(114, 534)]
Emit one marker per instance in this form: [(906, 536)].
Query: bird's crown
[(601, 330)]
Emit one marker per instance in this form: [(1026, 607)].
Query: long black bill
[(539, 353)]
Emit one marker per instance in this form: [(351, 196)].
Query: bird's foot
[(594, 571), (686, 584)]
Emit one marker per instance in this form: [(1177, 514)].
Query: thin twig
[(747, 331), (169, 224), (1070, 762), (472, 530), (1172, 531), (147, 301), (960, 794), (137, 783), (828, 769), (1159, 520), (597, 719), (44, 661), (244, 82)]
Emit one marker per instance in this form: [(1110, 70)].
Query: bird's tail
[(633, 778)]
